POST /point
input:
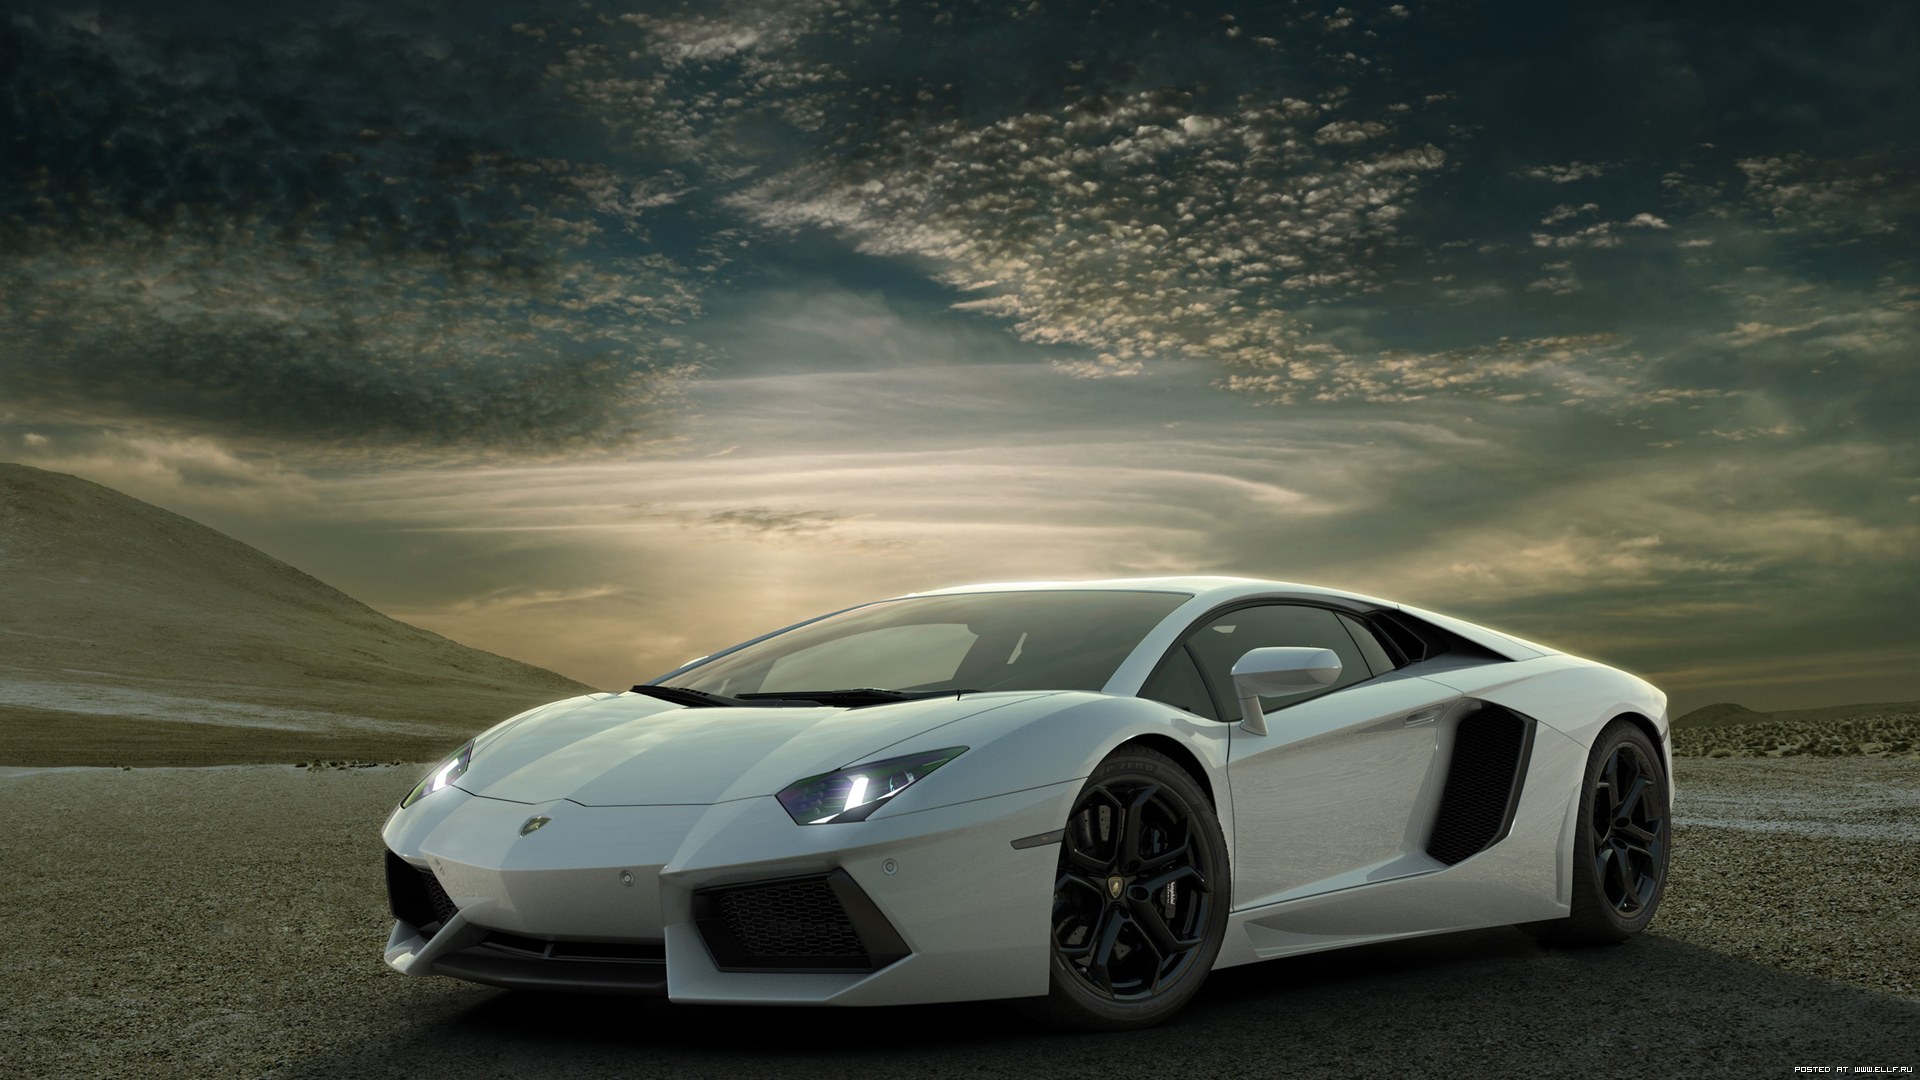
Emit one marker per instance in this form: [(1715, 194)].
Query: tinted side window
[(1370, 646), (1226, 639), (1178, 683)]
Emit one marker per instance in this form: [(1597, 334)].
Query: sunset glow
[(604, 338)]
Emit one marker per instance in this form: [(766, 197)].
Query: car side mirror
[(1276, 671)]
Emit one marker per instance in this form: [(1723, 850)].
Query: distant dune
[(131, 635), (1726, 713), (1887, 729), (1717, 714)]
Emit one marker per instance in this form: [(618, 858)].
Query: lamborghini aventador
[(1080, 796)]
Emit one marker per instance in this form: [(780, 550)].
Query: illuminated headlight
[(852, 794), (441, 776)]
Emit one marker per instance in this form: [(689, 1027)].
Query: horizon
[(601, 340), (1676, 713)]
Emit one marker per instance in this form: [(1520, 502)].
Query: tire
[(1621, 844), (1140, 899)]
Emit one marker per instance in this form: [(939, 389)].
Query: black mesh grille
[(443, 906), (407, 894), (1483, 780), (415, 894), (823, 923), (791, 918)]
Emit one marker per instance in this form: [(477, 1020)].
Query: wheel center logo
[(533, 824), (1114, 884)]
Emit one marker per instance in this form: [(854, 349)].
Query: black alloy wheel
[(1627, 823), (1141, 896), (1623, 844)]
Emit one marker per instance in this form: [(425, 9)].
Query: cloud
[(195, 471), (1137, 219), (1615, 345), (1601, 234), (1565, 174), (1861, 195), (1752, 333), (1598, 372), (1567, 212), (762, 521), (1106, 366), (1349, 132), (1628, 558), (1159, 249), (430, 264), (1630, 562), (351, 240)]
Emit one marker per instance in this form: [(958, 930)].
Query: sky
[(603, 336)]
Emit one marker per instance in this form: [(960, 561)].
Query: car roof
[(1207, 590)]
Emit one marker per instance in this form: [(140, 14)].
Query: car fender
[(1573, 696), (1052, 740)]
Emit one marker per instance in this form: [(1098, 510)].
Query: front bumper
[(638, 899)]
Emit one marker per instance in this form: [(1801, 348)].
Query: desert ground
[(228, 922)]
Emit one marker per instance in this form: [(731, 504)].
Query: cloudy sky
[(603, 335)]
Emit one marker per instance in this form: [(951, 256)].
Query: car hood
[(634, 750)]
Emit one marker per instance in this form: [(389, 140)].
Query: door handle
[(1424, 716)]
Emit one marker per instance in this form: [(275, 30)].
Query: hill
[(132, 635), (1724, 714), (1719, 714), (1891, 729)]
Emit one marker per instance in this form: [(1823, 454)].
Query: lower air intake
[(415, 895), (795, 918), (1483, 784), (443, 906), (822, 923)]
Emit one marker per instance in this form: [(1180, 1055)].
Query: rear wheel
[(1140, 899), (1622, 843)]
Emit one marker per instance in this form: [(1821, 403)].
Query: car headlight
[(852, 794), (441, 775)]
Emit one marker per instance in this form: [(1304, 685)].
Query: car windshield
[(1064, 639)]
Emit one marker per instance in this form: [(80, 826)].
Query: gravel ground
[(1811, 865), (228, 922), (1892, 733)]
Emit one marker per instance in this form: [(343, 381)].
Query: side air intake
[(1490, 750)]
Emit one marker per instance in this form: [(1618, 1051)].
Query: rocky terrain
[(1875, 735), (133, 636), (1888, 730)]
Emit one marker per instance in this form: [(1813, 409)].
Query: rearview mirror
[(1273, 672)]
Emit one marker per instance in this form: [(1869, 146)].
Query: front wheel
[(1140, 899), (1622, 842)]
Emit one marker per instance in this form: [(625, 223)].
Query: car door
[(1329, 797)]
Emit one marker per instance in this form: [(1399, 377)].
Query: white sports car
[(1082, 795)]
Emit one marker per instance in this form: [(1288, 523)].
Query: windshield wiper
[(855, 697), (700, 699), (692, 699)]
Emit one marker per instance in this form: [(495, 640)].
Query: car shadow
[(1492, 1002)]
